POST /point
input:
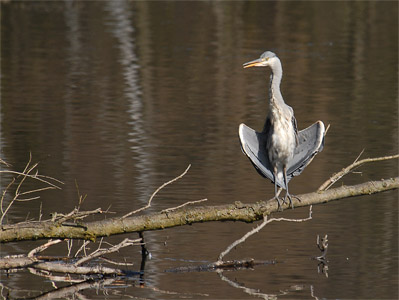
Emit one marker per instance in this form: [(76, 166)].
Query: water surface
[(119, 97)]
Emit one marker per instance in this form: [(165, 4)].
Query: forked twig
[(333, 179), (156, 191), (257, 229), (19, 180)]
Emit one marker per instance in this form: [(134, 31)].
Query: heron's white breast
[(281, 144)]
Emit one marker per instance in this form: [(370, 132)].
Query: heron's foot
[(287, 195), (279, 208)]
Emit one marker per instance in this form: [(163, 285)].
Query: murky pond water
[(119, 97)]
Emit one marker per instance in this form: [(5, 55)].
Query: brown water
[(122, 96)]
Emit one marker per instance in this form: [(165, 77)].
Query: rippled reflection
[(122, 29)]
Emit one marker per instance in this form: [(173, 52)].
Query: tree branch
[(184, 216)]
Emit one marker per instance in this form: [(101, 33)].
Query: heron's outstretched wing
[(311, 142), (253, 144)]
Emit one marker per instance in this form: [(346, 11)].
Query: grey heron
[(279, 152)]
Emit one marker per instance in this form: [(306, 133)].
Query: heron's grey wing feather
[(311, 142), (253, 144)]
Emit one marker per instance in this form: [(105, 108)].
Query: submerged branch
[(66, 265), (183, 216)]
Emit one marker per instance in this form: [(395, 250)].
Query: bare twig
[(69, 246), (241, 240), (4, 212), (116, 263), (182, 205), (43, 247), (257, 229), (360, 154), (40, 211), (33, 191), (327, 128), (22, 176), (37, 177), (4, 163), (156, 191), (80, 196), (333, 179)]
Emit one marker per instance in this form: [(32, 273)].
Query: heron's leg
[(275, 189), (287, 195)]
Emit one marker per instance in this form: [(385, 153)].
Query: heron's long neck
[(275, 97)]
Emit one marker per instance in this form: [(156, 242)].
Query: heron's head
[(267, 59)]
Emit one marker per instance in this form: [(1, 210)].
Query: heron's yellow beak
[(253, 63)]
